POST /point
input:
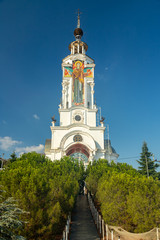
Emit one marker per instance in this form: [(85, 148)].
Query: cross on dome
[(78, 33), (78, 22)]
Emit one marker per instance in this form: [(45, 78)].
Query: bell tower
[(78, 84), (78, 134)]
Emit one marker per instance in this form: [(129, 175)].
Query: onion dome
[(78, 33), (78, 46)]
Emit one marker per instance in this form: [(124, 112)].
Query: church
[(79, 134)]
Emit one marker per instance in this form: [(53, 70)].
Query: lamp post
[(154, 160), (147, 166)]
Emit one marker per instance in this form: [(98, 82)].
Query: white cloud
[(38, 149), (4, 122), (36, 116), (7, 142)]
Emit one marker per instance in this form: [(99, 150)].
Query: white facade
[(78, 134)]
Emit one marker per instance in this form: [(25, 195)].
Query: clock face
[(80, 156), (78, 118)]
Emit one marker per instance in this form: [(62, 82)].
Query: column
[(83, 52), (85, 92), (92, 94), (66, 95), (73, 49), (63, 94)]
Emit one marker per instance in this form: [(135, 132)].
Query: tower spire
[(78, 22), (78, 33)]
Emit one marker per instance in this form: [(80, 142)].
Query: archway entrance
[(78, 151)]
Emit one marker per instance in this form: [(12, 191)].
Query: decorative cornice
[(77, 107), (77, 56), (75, 125)]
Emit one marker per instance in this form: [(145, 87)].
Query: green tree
[(94, 172), (146, 165), (44, 188), (143, 204), (113, 189), (13, 157), (124, 197), (10, 221), (98, 168)]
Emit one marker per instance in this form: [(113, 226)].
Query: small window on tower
[(77, 138)]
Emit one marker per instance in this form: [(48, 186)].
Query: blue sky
[(123, 38)]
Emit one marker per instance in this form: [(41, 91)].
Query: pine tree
[(146, 165)]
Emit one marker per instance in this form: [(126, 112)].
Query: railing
[(107, 233), (101, 226), (67, 228)]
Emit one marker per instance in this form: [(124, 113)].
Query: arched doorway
[(78, 151)]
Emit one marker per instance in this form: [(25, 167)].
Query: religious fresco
[(68, 72), (78, 72)]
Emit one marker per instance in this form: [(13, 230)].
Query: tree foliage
[(44, 188), (98, 168), (10, 221), (13, 157), (127, 198), (146, 165)]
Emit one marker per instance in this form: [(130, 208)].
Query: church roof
[(107, 145)]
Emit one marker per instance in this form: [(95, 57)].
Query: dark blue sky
[(123, 38)]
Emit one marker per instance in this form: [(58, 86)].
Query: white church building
[(78, 134)]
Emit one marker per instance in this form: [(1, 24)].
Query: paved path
[(82, 227)]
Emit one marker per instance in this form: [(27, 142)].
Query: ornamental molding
[(74, 125), (71, 134), (88, 61), (78, 113), (79, 108)]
